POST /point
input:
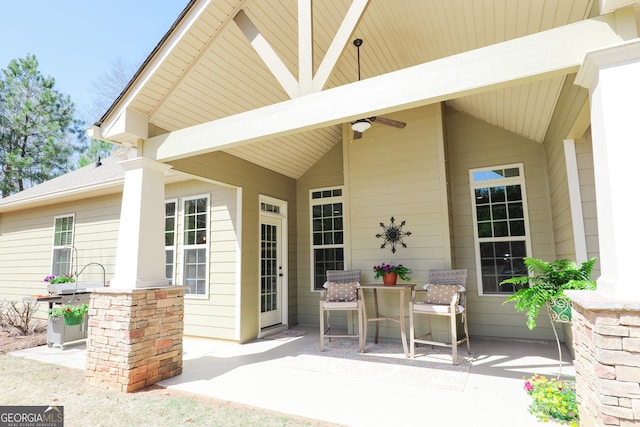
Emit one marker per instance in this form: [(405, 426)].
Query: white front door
[(272, 268)]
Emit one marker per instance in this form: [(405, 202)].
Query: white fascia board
[(607, 6), (104, 187), (558, 51), (183, 27)]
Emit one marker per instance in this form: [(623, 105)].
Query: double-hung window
[(501, 226), (62, 245), (196, 244), (327, 233), (170, 220)]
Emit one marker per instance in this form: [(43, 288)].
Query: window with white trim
[(195, 244), (327, 233), (170, 221), (501, 226), (62, 245)]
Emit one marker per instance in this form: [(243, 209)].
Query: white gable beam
[(127, 124), (341, 39), (558, 51), (267, 54), (305, 46)]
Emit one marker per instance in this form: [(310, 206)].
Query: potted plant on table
[(391, 272), (547, 283)]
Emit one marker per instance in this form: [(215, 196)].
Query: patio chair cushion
[(440, 294), (339, 292), (440, 309)]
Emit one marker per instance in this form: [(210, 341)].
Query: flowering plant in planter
[(403, 272), (552, 398), (65, 278), (77, 310)]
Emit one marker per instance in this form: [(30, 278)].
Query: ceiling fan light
[(360, 125)]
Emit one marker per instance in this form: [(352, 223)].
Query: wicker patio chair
[(444, 295), (342, 293)]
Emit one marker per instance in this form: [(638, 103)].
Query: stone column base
[(606, 339), (134, 337)]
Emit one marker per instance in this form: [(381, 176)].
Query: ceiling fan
[(361, 125)]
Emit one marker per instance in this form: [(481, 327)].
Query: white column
[(140, 258), (612, 76), (575, 200)]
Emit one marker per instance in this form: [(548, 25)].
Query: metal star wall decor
[(393, 235)]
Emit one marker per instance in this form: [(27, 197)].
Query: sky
[(77, 41)]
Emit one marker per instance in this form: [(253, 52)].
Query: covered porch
[(287, 373)]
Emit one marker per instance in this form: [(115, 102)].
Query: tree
[(97, 150), (38, 133), (107, 88)]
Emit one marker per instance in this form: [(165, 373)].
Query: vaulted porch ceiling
[(206, 69)]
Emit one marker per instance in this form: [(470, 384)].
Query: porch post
[(140, 258), (611, 75), (135, 326), (606, 322)]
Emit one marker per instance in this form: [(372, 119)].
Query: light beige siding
[(398, 173), (388, 173), (475, 144), (26, 239), (253, 181), (327, 172), (571, 100), (584, 153), (215, 315)]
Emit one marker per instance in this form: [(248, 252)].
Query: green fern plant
[(548, 281)]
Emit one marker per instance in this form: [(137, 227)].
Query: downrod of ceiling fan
[(357, 43)]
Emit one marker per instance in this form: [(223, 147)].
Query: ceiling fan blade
[(388, 122), (357, 135)]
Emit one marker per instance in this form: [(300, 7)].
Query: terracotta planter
[(390, 279)]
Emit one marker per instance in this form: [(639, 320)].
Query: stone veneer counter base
[(135, 337), (606, 336)]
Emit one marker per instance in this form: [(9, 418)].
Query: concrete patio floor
[(289, 375)]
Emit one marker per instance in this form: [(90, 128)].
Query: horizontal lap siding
[(399, 173), (474, 144), (570, 102), (26, 240), (401, 176), (584, 153), (215, 315), (390, 172), (327, 172), (253, 181)]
